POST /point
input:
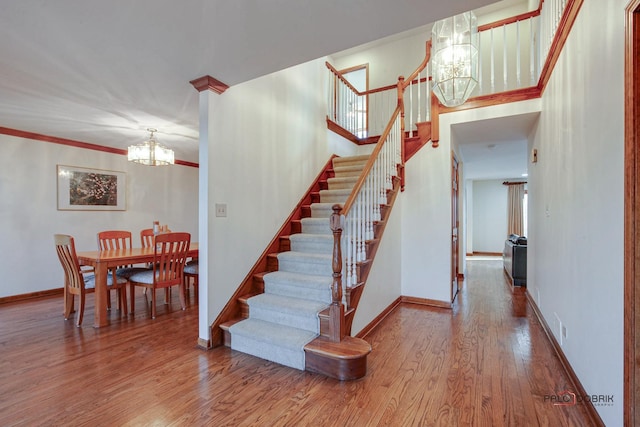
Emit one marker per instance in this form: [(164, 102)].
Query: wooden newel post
[(336, 310), (402, 139)]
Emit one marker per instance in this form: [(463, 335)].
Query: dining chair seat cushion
[(191, 269), (90, 280), (127, 272), (145, 277)]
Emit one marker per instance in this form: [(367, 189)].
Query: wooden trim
[(209, 83), (426, 301), (77, 144), (480, 253), (62, 141), (562, 33), (334, 127), (632, 215), (39, 294), (185, 163), (509, 96), (379, 318), (204, 344), (573, 378)]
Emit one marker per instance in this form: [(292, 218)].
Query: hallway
[(486, 362)]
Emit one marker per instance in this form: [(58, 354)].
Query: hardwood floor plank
[(485, 362)]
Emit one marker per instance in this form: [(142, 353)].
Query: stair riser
[(301, 322), (275, 353), (321, 212), (312, 228), (310, 294), (333, 198), (302, 267), (342, 183), (312, 247)]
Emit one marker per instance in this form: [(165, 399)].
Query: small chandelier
[(150, 152), (455, 61)]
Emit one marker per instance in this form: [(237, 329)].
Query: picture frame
[(86, 189)]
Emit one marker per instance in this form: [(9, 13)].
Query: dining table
[(103, 260)]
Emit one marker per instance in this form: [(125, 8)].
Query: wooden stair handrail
[(422, 66), (344, 80), (369, 165)]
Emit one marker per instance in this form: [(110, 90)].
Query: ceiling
[(495, 148), (102, 72)]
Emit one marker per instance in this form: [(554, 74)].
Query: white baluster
[(504, 57), (532, 81), (411, 103), (419, 119), (428, 97), (518, 82), (493, 73), (479, 64)]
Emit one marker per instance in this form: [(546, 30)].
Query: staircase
[(280, 322)]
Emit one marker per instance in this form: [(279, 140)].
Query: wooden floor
[(487, 362)]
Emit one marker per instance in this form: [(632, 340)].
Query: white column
[(209, 89)]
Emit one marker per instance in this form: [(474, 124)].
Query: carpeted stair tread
[(270, 341), (315, 226), (289, 311), (345, 171), (347, 160), (335, 196), (342, 182), (321, 210), (306, 286), (303, 242), (301, 262)]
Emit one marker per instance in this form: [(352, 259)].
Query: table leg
[(100, 309)]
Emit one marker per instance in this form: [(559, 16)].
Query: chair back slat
[(66, 249)]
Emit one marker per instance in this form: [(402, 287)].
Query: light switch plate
[(221, 209)]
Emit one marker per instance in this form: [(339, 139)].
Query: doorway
[(455, 226)]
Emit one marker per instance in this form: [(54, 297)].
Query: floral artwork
[(93, 189), (90, 189)]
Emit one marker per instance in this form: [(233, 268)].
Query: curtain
[(514, 205)]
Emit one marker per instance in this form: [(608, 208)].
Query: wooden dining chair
[(75, 281), (170, 254), (112, 240), (191, 272)]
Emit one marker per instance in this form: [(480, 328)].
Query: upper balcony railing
[(513, 54)]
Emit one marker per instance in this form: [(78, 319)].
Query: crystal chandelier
[(455, 60), (150, 152)]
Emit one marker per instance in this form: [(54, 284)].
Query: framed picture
[(83, 189)]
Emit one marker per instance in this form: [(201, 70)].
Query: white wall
[(384, 281), (426, 223), (576, 199), (489, 216), (267, 141), (467, 223), (29, 217)]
